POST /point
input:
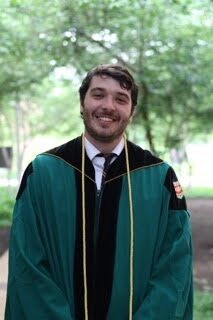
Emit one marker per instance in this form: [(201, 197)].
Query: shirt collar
[(92, 151)]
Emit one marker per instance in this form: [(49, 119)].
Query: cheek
[(90, 105), (126, 114)]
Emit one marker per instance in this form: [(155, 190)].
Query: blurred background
[(46, 48)]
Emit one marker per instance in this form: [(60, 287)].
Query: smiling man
[(106, 109), (100, 229)]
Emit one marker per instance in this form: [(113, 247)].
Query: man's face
[(106, 110)]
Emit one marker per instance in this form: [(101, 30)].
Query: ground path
[(202, 227)]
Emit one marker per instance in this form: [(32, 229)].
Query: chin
[(106, 138), (103, 138)]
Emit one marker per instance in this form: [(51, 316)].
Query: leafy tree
[(166, 44)]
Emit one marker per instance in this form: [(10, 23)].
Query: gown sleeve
[(170, 295), (32, 293)]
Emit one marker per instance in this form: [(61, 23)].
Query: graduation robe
[(45, 260)]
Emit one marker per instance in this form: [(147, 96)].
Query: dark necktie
[(108, 157)]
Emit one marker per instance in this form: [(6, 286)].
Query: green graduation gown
[(45, 260)]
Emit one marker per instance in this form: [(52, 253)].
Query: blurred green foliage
[(7, 200), (165, 44), (203, 306), (199, 192)]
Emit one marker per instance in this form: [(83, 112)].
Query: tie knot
[(106, 155)]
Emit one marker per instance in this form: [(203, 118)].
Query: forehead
[(107, 83)]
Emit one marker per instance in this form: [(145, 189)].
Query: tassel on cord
[(131, 256)]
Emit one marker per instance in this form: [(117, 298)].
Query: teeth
[(105, 119)]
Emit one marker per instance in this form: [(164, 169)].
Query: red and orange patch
[(178, 189)]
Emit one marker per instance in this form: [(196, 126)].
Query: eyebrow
[(118, 92)]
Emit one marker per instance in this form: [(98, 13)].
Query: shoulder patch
[(177, 199), (178, 189)]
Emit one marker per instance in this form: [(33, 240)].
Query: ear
[(81, 109), (131, 117)]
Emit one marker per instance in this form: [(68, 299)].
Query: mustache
[(103, 113), (111, 114)]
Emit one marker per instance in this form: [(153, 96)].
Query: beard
[(105, 133)]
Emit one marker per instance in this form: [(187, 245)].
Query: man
[(100, 227)]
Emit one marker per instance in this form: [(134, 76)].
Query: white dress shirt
[(98, 162)]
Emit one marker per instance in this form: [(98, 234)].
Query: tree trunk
[(144, 110)]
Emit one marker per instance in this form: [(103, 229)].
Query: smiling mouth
[(105, 118)]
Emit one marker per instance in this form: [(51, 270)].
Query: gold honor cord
[(131, 233), (84, 230)]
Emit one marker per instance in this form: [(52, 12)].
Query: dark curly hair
[(117, 72)]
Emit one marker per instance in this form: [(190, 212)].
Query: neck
[(104, 147)]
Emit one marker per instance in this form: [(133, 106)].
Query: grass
[(203, 305), (199, 192)]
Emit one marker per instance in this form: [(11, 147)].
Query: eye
[(97, 95), (121, 100)]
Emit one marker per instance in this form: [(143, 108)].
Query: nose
[(109, 103)]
